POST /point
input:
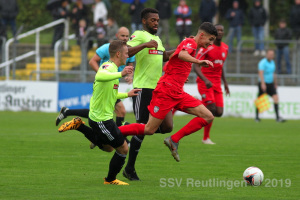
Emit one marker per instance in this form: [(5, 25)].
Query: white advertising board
[(28, 95)]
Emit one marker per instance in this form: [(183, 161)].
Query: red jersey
[(217, 55), (177, 70)]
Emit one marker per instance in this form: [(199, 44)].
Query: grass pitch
[(37, 162)]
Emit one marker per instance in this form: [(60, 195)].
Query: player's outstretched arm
[(94, 62), (131, 93), (134, 50), (168, 54), (185, 56), (225, 83), (197, 70)]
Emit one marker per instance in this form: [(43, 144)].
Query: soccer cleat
[(208, 141), (114, 182), (173, 146), (92, 145), (71, 125), (257, 120), (132, 176), (61, 115), (280, 120)]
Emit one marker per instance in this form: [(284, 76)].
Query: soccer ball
[(253, 176)]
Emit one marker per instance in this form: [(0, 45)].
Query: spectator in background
[(257, 19), (135, 10), (235, 16), (207, 10), (111, 29), (58, 13), (79, 11), (83, 33), (295, 19), (164, 8), (283, 33), (100, 33), (100, 12), (9, 10), (183, 15)]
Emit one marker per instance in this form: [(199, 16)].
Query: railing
[(36, 52)]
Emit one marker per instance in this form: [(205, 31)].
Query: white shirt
[(100, 11)]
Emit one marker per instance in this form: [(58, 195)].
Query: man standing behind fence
[(283, 33), (257, 19), (268, 82)]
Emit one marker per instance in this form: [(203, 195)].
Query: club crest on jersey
[(105, 66), (116, 86), (157, 52), (203, 96), (131, 38), (223, 55), (156, 109)]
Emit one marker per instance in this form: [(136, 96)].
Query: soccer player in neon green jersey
[(150, 54), (103, 131)]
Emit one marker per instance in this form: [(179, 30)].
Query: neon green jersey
[(149, 61), (105, 92)]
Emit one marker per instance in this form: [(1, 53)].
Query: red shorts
[(165, 98), (211, 95)]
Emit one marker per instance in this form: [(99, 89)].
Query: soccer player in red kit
[(209, 79), (169, 93)]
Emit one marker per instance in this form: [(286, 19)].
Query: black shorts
[(107, 132), (140, 104), (118, 101), (271, 90)]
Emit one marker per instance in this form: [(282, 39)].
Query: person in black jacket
[(164, 8), (58, 13), (235, 16), (295, 19), (257, 19), (207, 10), (283, 33), (9, 11), (135, 10)]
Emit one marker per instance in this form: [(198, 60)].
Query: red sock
[(132, 129), (206, 131), (194, 125)]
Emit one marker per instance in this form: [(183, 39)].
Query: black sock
[(119, 121), (88, 133), (77, 112), (256, 114), (276, 110), (115, 166), (135, 145)]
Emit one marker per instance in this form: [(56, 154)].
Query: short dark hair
[(146, 11), (116, 46), (208, 28)]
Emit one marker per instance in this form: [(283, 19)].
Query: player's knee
[(123, 149), (167, 129), (108, 149), (219, 114), (149, 131), (209, 118)]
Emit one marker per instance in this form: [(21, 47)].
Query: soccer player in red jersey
[(169, 93), (209, 79)]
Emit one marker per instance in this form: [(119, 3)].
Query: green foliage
[(33, 13)]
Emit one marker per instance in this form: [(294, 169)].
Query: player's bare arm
[(94, 62), (225, 83), (127, 70), (168, 54), (134, 50), (197, 70), (262, 81), (185, 56)]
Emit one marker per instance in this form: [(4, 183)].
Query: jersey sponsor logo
[(157, 52), (218, 62), (105, 66), (156, 109), (116, 86)]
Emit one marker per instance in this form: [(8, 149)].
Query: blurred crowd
[(103, 27)]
